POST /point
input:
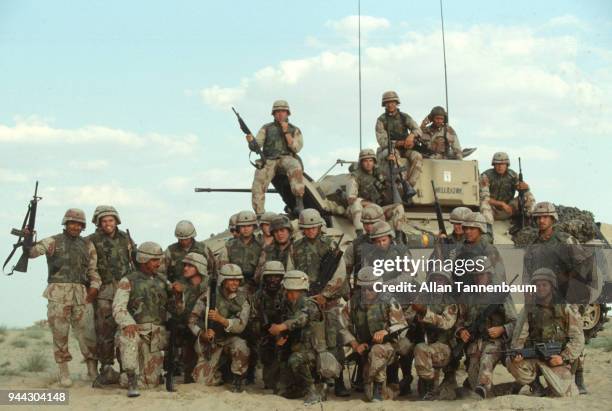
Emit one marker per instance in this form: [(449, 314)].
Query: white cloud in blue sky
[(128, 104)]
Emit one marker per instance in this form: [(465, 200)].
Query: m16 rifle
[(211, 304), (395, 174), (253, 145), (521, 199), (438, 208), (25, 236), (327, 268)]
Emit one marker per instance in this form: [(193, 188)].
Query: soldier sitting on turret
[(436, 134)]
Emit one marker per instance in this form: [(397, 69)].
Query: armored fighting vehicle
[(457, 184)]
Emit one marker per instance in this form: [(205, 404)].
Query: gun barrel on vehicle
[(228, 190)]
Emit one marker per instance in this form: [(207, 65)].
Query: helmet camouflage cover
[(544, 274), (437, 111), (76, 215), (310, 218), (381, 229), (545, 208), (295, 280), (230, 272), (389, 96), (246, 218), (366, 277), (372, 213), (198, 261), (459, 214), (367, 153), (476, 220), (267, 217), (273, 268), (281, 105), (104, 211), (148, 250), (279, 222), (500, 158), (184, 229)]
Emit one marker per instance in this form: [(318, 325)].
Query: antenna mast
[(359, 54), (444, 54)]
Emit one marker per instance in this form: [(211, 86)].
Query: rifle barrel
[(228, 190)]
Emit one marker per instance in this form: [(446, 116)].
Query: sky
[(128, 103)]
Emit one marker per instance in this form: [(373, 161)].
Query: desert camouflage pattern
[(433, 137), (276, 252), (244, 255), (172, 261), (543, 324), (502, 188), (435, 355)]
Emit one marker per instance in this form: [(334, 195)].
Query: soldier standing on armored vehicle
[(266, 311), (367, 185), (280, 141), (307, 255), (282, 247), (265, 237), (403, 130), (140, 308), (172, 263), (226, 322), (436, 134), (73, 285), (491, 333), (372, 317), (302, 338), (547, 322), (114, 249), (498, 186)]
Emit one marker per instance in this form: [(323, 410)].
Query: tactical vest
[(396, 125), (307, 255), (368, 318), (246, 256), (275, 144), (69, 261), (502, 188), (270, 304), (496, 319), (191, 293), (312, 336), (549, 253), (371, 186), (177, 253), (114, 259), (148, 298), (547, 324), (274, 253), (229, 308)]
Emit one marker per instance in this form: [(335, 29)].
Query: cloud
[(33, 130), (223, 97), (566, 21), (10, 176), (109, 193), (89, 165), (348, 26)]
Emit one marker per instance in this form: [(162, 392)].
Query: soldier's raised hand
[(284, 126)]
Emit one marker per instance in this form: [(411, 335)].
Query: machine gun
[(253, 145), (327, 268), (438, 209), (25, 236), (542, 351), (521, 199)]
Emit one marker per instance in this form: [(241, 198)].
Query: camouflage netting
[(579, 223)]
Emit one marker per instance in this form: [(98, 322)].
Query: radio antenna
[(359, 54), (444, 54)]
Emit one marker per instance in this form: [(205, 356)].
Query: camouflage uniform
[(72, 267), (236, 308), (277, 251), (560, 323), (114, 262), (245, 255), (279, 156), (390, 253), (142, 300), (433, 137), (371, 214), (400, 124), (172, 262)]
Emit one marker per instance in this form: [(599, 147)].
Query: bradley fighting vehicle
[(457, 184)]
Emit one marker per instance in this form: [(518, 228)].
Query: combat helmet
[(281, 105), (279, 222), (184, 229), (230, 272), (381, 229), (437, 111), (245, 218), (389, 96), (198, 261), (444, 274), (476, 220), (273, 268), (372, 214), (296, 280), (459, 214), (104, 211), (500, 158), (310, 218), (366, 277), (232, 222), (367, 153), (545, 208), (148, 250), (74, 214), (267, 217), (544, 274)]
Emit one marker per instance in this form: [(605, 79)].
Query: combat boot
[(377, 392), (64, 375), (448, 387), (425, 388), (340, 389), (237, 384), (482, 391), (579, 378), (409, 192), (92, 369), (132, 385), (406, 382), (537, 390), (312, 395), (516, 388)]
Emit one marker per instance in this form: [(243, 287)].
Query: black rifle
[(438, 209), (211, 304), (253, 145), (395, 174), (521, 199), (478, 327), (228, 190), (327, 268), (542, 351), (169, 359), (24, 240)]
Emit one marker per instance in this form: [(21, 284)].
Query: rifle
[(394, 194), (25, 241), (228, 190), (169, 359), (447, 150), (211, 303), (438, 209), (327, 268), (521, 198), (253, 145), (478, 327), (542, 351), (388, 338)]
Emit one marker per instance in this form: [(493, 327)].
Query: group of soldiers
[(297, 305)]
